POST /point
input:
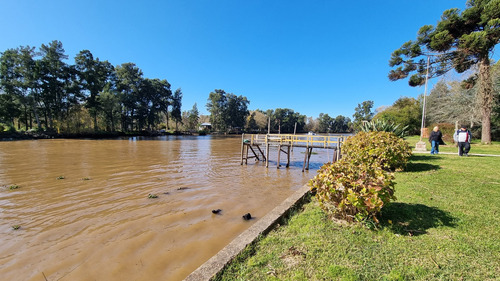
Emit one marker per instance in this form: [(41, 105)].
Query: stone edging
[(214, 265)]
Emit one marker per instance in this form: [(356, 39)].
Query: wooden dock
[(258, 143)]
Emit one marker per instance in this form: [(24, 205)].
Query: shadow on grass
[(414, 219), (421, 167), (422, 157)]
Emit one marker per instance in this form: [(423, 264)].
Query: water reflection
[(98, 222)]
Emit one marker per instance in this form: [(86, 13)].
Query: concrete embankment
[(210, 268)]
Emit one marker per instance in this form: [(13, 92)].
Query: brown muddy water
[(98, 222)]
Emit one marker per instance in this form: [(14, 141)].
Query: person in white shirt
[(462, 137)]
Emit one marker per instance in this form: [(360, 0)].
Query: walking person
[(462, 137), (436, 139)]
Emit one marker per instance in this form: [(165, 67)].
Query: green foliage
[(382, 148), (459, 41), (176, 108), (227, 111), (363, 112), (284, 119), (152, 196), (14, 186), (380, 125), (353, 192), (9, 108), (60, 177), (192, 118), (94, 76), (16, 227), (38, 85), (327, 124), (405, 111), (251, 123), (356, 187)]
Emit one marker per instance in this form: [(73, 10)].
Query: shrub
[(353, 192), (356, 187), (386, 149), (446, 129), (162, 126), (380, 125)]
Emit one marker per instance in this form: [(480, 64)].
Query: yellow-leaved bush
[(383, 148), (356, 187)]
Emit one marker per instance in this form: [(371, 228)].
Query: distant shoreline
[(8, 136)]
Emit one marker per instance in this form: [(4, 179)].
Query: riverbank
[(85, 135), (444, 225)]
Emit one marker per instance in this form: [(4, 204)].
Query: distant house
[(205, 126)]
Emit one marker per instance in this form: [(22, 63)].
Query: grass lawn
[(445, 225)]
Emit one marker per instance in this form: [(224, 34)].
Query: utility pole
[(420, 146)]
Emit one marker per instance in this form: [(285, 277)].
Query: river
[(84, 210)]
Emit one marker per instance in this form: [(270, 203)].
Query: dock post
[(305, 158), (308, 158), (246, 153), (288, 156), (242, 146), (267, 151), (279, 156), (339, 149)]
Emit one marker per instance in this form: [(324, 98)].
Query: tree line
[(39, 89), (229, 113)]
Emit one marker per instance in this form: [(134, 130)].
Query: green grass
[(445, 225)]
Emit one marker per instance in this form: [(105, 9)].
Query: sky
[(315, 56)]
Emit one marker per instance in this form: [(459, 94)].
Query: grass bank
[(445, 225)]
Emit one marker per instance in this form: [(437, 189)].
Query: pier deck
[(288, 141)]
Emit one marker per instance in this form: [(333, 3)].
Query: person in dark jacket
[(462, 138), (436, 138)]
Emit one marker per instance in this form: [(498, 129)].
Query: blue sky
[(310, 56)]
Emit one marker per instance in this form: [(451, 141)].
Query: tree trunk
[(46, 120), (35, 112), (112, 122), (167, 118), (486, 99), (95, 121), (26, 116)]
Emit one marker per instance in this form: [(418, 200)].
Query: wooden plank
[(289, 140)]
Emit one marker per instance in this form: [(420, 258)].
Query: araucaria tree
[(459, 41)]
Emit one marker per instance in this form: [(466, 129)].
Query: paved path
[(456, 153)]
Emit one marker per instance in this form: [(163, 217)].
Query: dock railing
[(289, 141), (316, 141)]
